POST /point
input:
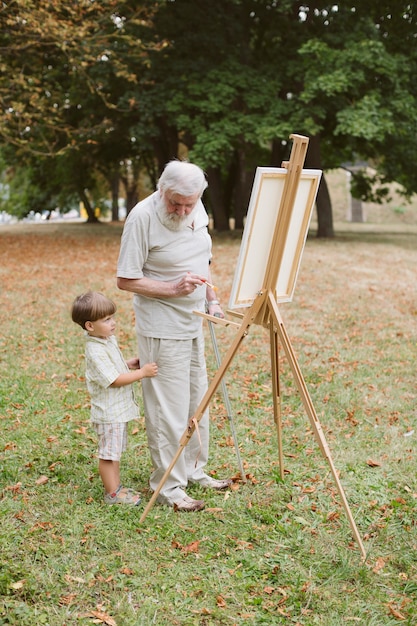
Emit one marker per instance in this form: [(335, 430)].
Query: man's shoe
[(188, 504), (214, 483)]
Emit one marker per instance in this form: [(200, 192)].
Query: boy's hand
[(133, 364), (150, 370)]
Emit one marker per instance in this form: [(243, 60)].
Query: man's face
[(176, 211)]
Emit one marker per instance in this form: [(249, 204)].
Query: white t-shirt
[(150, 249)]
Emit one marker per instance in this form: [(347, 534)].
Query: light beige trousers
[(170, 399)]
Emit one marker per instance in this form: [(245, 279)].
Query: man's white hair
[(183, 178)]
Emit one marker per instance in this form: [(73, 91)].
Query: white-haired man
[(164, 261)]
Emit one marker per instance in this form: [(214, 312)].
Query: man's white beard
[(172, 220)]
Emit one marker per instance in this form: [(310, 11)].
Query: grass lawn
[(268, 551)]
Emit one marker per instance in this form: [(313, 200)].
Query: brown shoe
[(188, 504)]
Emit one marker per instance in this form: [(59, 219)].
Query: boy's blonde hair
[(90, 307)]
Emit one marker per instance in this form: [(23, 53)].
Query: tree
[(211, 90), (359, 89), (111, 88), (233, 84), (65, 95)]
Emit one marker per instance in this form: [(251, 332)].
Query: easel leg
[(276, 394), (308, 405), (227, 401)]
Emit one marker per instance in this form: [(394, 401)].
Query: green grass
[(270, 551)]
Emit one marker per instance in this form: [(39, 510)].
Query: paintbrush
[(209, 284)]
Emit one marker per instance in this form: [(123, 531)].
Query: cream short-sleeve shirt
[(150, 249)]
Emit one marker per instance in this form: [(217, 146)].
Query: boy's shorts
[(112, 440)]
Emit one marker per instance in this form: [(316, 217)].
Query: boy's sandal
[(123, 495)]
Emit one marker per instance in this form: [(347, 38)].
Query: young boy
[(109, 381)]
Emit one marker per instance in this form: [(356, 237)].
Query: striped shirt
[(104, 363)]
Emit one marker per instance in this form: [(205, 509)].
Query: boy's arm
[(127, 378)]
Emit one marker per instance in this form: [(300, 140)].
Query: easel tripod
[(264, 311)]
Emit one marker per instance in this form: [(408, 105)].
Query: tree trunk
[(243, 182), (131, 199), (129, 182), (216, 198), (323, 200), (166, 147), (324, 211), (115, 198), (91, 219), (279, 153)]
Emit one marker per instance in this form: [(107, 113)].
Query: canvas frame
[(264, 212)]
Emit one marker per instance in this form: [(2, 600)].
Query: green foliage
[(368, 187), (126, 88)]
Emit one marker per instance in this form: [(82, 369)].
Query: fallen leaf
[(42, 526), (10, 446), (192, 547), (332, 516), (101, 578), (67, 600), (396, 613), (373, 463), (18, 584), (206, 611), (75, 579), (14, 488), (42, 480), (378, 565), (102, 618)]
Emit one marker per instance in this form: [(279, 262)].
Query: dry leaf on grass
[(373, 463), (380, 563), (396, 613), (17, 585), (101, 618)]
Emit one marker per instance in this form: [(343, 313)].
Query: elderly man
[(164, 261)]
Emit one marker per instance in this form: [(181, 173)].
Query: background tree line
[(96, 96)]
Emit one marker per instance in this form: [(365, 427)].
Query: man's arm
[(159, 288), (148, 287), (213, 304)]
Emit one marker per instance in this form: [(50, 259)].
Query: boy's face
[(102, 328)]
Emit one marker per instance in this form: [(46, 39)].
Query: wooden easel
[(264, 311)]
